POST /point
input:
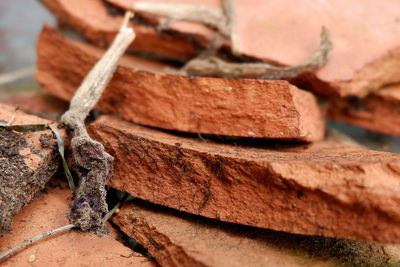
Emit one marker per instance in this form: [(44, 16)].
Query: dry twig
[(213, 66), (42, 236), (207, 64), (92, 164), (33, 240), (211, 17)]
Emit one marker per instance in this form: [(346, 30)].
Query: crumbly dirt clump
[(24, 171), (94, 167)]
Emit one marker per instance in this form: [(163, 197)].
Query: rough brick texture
[(366, 53), (98, 24), (179, 239), (249, 108), (69, 248), (320, 189)]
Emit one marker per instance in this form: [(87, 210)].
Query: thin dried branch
[(206, 64), (45, 235), (230, 14), (211, 17), (213, 66), (35, 239), (91, 89), (92, 164)]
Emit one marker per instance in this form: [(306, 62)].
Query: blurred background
[(20, 23)]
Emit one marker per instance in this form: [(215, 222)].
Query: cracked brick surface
[(246, 107), (319, 189)]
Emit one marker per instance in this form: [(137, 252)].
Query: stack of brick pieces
[(293, 181), (218, 163)]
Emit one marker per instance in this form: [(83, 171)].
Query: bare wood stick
[(224, 21), (35, 239), (92, 87), (230, 14), (213, 66), (212, 17), (92, 164)]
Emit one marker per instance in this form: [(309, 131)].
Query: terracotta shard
[(366, 52), (378, 112), (27, 162), (68, 248), (41, 104), (97, 23), (249, 108), (320, 189), (178, 239)]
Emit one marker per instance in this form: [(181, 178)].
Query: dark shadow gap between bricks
[(137, 249), (113, 197)]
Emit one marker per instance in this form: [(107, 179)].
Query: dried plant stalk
[(230, 14), (206, 64), (213, 66), (211, 17), (92, 164)]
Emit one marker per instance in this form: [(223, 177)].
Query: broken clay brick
[(180, 239), (96, 23), (253, 108), (378, 112), (27, 162), (40, 104), (68, 248), (319, 189), (366, 53)]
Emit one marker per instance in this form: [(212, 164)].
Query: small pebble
[(250, 133), (32, 258)]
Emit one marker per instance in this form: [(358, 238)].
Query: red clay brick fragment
[(176, 239), (319, 189), (41, 104), (27, 162), (96, 23), (180, 239), (67, 248), (378, 112), (249, 108), (366, 53)]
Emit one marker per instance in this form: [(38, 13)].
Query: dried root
[(213, 66), (207, 64), (92, 164)]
